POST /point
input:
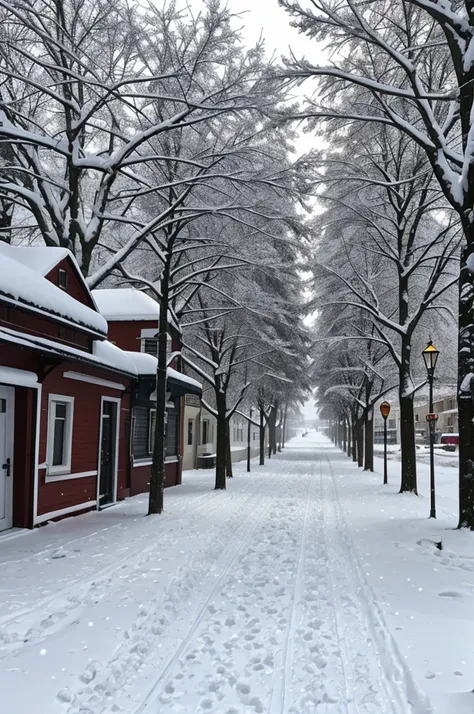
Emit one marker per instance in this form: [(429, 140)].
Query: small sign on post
[(431, 417)]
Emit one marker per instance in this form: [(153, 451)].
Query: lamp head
[(385, 409), (430, 357)]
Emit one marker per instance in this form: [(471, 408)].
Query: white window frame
[(207, 432), (64, 468), (147, 334)]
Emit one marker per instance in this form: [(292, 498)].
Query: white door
[(7, 395)]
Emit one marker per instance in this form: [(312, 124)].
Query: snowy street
[(304, 589)]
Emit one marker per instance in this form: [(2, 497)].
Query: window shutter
[(140, 432)]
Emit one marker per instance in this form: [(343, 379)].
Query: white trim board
[(39, 395), (89, 379), (65, 511), (148, 462), (67, 477)]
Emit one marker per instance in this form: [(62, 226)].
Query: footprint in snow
[(450, 594)]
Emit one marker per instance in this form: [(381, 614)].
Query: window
[(205, 431), (62, 279), (417, 418), (150, 345), (144, 420), (141, 431), (172, 432), (190, 432), (391, 423), (59, 434), (151, 430)]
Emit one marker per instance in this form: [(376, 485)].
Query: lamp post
[(385, 411), (248, 440), (430, 357)]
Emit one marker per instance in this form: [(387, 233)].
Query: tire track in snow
[(227, 664), (225, 569), (362, 621), (319, 675), (146, 649), (280, 682), (52, 613)]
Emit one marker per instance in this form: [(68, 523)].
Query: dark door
[(108, 454)]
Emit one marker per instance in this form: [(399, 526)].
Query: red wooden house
[(66, 393), (133, 326)]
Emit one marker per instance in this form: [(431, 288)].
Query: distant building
[(445, 405)]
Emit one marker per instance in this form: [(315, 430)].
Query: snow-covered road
[(254, 600)]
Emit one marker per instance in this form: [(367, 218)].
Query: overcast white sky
[(266, 17)]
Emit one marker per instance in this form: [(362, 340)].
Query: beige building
[(446, 408), (200, 435)]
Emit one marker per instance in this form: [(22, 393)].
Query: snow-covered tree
[(385, 237), (414, 60), (87, 86)]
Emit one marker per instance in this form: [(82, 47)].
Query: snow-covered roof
[(180, 377), (123, 304), (110, 354), (146, 366), (39, 258), (105, 353), (18, 377), (20, 284)]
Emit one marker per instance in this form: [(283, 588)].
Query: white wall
[(238, 437)]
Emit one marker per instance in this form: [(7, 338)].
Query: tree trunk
[(285, 420), (369, 440), (408, 449), (272, 443), (157, 474), (228, 462), (344, 435), (406, 390), (360, 443), (407, 421), (349, 438), (354, 440), (466, 382), (262, 437), (221, 441), (280, 431)]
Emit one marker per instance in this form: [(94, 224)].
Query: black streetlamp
[(248, 440), (430, 356), (385, 411)]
